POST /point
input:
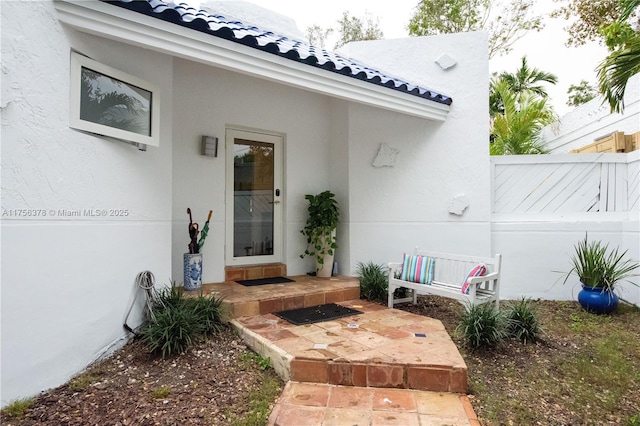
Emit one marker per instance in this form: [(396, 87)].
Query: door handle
[(274, 202)]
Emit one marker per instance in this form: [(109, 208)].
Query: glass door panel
[(254, 186)]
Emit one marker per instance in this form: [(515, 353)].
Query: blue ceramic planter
[(192, 271), (594, 300)]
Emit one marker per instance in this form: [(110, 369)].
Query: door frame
[(277, 139)]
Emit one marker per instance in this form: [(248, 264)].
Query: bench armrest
[(483, 278)]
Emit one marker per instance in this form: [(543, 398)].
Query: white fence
[(544, 186), (543, 204)]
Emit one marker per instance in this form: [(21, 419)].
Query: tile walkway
[(383, 367), (330, 405)]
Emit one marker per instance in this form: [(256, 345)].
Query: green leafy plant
[(482, 326), (177, 321), (209, 310), (522, 321), (172, 295), (175, 328), (17, 408), (374, 281), (598, 266), (324, 217)]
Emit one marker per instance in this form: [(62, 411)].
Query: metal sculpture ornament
[(195, 244)]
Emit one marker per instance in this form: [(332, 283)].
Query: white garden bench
[(449, 273)]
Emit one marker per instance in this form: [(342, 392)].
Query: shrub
[(176, 321), (209, 312), (169, 297), (482, 326), (373, 281), (522, 321)]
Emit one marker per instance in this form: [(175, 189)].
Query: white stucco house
[(397, 140)]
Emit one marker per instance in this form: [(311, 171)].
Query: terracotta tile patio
[(322, 404), (382, 367)]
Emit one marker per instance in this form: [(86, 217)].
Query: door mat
[(264, 281), (310, 315)]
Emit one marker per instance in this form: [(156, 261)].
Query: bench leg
[(391, 290)]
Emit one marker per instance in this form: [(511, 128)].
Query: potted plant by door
[(320, 230), (600, 270)]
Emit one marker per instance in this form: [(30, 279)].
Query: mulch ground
[(208, 384), (212, 382)]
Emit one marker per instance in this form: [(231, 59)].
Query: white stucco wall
[(67, 281), (593, 120), (536, 253), (394, 209), (538, 245), (330, 144), (212, 99)]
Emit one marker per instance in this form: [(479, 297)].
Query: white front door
[(253, 197)]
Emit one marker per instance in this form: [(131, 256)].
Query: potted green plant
[(320, 230), (600, 270)]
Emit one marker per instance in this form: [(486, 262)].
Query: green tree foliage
[(352, 28), (519, 110), (581, 93), (505, 23), (516, 131), (587, 16), (623, 40), (525, 79)]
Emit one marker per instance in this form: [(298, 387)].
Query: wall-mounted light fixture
[(209, 146)]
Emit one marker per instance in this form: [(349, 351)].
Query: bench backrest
[(453, 268)]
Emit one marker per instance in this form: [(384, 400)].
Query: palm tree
[(623, 60), (516, 131), (528, 79), (525, 79)]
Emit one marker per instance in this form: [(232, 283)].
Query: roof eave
[(102, 19)]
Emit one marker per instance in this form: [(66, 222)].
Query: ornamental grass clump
[(598, 266), (483, 326), (176, 322), (374, 281), (522, 321)]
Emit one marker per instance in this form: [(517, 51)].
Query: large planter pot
[(597, 301), (325, 269), (192, 267)]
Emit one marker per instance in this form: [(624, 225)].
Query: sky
[(544, 50)]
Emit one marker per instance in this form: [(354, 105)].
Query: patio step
[(381, 348), (388, 366), (384, 348), (324, 405)]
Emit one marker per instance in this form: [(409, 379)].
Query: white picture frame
[(106, 101)]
